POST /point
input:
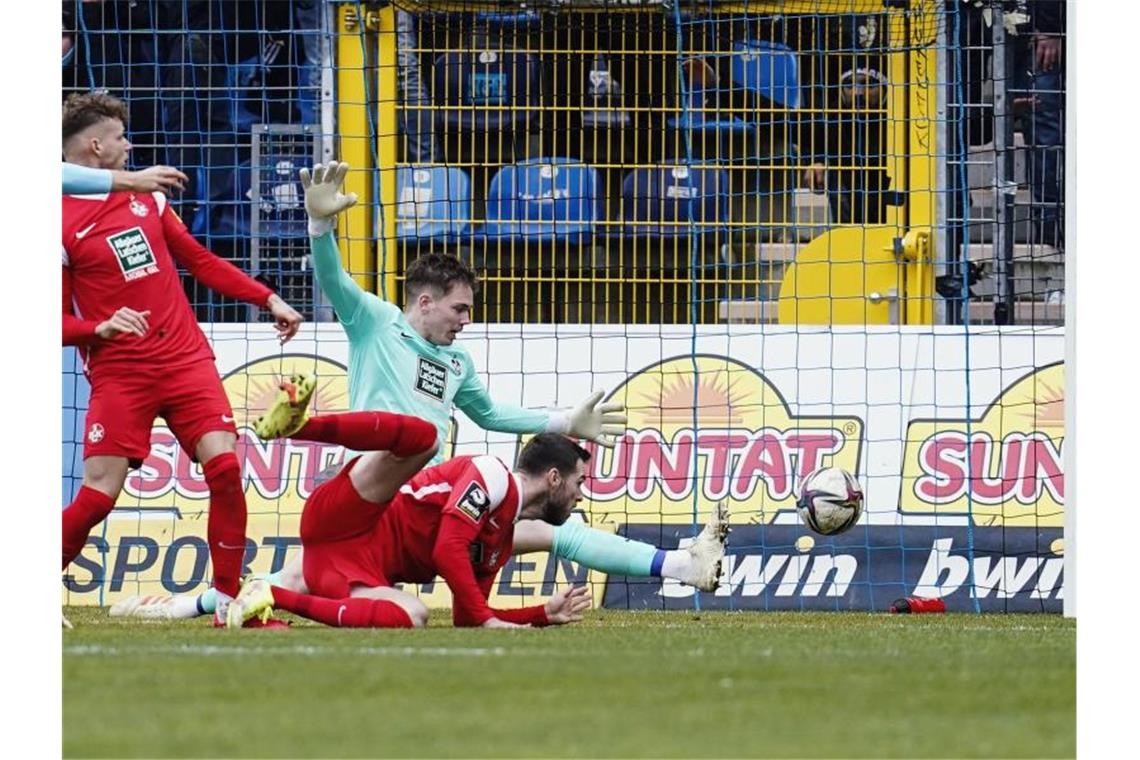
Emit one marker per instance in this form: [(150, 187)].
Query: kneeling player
[(455, 520), (382, 472)]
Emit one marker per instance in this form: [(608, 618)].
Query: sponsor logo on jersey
[(474, 502), (431, 379), (133, 252), (138, 208), (95, 433)]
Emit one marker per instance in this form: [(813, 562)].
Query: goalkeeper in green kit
[(408, 362)]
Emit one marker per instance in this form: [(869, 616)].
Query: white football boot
[(707, 551), (149, 606)]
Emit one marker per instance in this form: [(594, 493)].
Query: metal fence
[(809, 161)]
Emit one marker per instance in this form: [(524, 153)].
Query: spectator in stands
[(847, 147), (1039, 83)]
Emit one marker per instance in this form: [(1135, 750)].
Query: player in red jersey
[(455, 520), (142, 349)]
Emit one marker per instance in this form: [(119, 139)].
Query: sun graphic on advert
[(253, 388), (672, 400)]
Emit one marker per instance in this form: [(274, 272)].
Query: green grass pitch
[(625, 684)]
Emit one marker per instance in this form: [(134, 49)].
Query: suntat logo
[(722, 432), (279, 475), (1010, 466)]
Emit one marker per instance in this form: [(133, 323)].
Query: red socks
[(225, 527), (353, 612), (401, 434), (84, 513)]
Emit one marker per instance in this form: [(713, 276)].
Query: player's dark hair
[(548, 450), (81, 110), (440, 273)]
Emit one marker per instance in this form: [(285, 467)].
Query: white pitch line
[(212, 650)]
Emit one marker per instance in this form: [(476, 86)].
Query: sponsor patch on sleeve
[(474, 502)]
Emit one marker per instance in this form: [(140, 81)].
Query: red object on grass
[(917, 604)]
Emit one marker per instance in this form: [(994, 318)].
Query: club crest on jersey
[(95, 433), (138, 208), (431, 379), (456, 366), (133, 252), (474, 502)]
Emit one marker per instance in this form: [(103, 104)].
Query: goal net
[(786, 235)]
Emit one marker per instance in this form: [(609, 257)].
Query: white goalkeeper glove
[(601, 424), (323, 198)]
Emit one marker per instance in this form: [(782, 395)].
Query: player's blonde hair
[(81, 110)]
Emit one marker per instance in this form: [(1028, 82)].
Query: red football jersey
[(455, 520), (119, 249)]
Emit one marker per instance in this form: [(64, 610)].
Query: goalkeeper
[(407, 362)]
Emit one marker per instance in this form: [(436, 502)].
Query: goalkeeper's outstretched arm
[(601, 423), (323, 201)]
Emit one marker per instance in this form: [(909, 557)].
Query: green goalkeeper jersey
[(392, 368)]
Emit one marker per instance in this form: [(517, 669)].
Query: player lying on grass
[(142, 349), (389, 455), (408, 362), (360, 534)]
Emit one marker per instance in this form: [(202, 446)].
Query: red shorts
[(124, 407), (338, 537)]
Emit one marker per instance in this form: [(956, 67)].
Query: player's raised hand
[(323, 198), (567, 605), (156, 178), (496, 623), (599, 423), (285, 318), (125, 320)]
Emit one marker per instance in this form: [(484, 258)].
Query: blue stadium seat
[(716, 132), (543, 199), (768, 69), (486, 90), (433, 202), (657, 201), (223, 202)]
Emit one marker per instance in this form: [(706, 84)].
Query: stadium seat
[(701, 101), (768, 74), (433, 202), (603, 104), (768, 69), (486, 90), (224, 201), (543, 199), (658, 201)]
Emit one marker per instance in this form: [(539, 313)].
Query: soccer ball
[(831, 500)]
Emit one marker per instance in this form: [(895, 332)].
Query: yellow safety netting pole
[(355, 232)]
